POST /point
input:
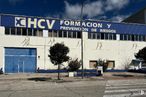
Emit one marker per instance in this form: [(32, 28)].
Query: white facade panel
[(94, 49)]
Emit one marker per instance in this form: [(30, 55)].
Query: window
[(110, 64), (74, 34), (135, 37), (30, 32), (64, 33), (92, 64), (114, 37), (24, 32), (55, 33), (34, 32), (38, 32), (69, 34), (12, 31), (129, 37), (7, 31), (141, 38), (106, 36), (19, 31), (98, 36), (60, 34), (121, 37), (102, 35), (110, 37), (79, 34), (132, 37), (144, 38), (94, 35), (125, 37), (89, 35), (50, 32)]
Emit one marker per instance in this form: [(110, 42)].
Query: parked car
[(137, 65)]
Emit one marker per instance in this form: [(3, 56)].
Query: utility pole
[(82, 48)]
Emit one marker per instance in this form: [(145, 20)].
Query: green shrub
[(74, 65), (102, 63)]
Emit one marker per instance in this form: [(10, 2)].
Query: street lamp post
[(82, 48)]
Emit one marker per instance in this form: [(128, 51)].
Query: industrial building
[(25, 42)]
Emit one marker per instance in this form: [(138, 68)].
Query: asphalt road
[(111, 86), (126, 88), (25, 88)]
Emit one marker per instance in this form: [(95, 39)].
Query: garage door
[(19, 60)]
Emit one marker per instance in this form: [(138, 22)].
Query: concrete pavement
[(46, 85), (26, 88), (123, 75), (125, 88), (106, 76)]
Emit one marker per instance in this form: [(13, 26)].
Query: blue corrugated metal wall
[(20, 60)]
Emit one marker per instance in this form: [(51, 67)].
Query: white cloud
[(119, 18), (72, 11), (90, 10), (115, 4), (93, 9)]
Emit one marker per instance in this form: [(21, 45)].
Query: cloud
[(90, 10), (115, 4), (72, 11), (94, 8), (119, 18)]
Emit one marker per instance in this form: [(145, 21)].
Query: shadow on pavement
[(123, 75), (48, 79), (40, 79)]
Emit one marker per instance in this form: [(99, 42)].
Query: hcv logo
[(20, 22)]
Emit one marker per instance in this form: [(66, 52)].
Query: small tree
[(58, 55), (141, 54), (101, 62), (74, 65)]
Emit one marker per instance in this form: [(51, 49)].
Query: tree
[(58, 55), (141, 54), (74, 65), (103, 63)]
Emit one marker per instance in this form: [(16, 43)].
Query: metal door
[(19, 60)]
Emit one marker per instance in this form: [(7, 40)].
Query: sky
[(109, 10)]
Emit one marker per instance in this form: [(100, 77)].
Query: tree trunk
[(58, 71)]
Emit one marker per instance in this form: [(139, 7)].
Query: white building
[(25, 42)]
